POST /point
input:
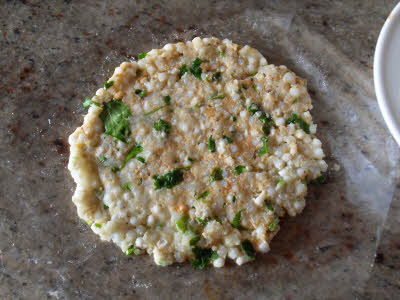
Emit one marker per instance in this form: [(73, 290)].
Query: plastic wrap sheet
[(326, 252)]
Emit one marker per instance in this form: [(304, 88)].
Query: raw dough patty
[(194, 152)]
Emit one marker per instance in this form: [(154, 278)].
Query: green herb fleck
[(103, 159), (221, 53), (202, 257), (193, 241), (234, 199), (300, 122), (218, 96), (248, 248), (216, 175), (141, 159), (132, 154), (273, 224), (268, 122), (214, 255), (195, 68), (216, 76), (105, 207), (182, 223), (295, 101), (269, 206), (89, 222), (192, 160), (264, 148), (240, 169), (131, 250), (141, 93), (182, 71), (97, 225), (162, 125), (138, 72), (227, 139), (141, 55), (255, 87), (168, 180), (108, 84), (253, 108), (218, 219), (126, 187), (281, 181), (115, 169), (89, 102), (203, 195), (236, 221), (254, 73), (114, 116), (234, 119), (167, 101), (211, 144), (320, 180), (203, 222), (244, 86)]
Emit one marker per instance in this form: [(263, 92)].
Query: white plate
[(387, 72)]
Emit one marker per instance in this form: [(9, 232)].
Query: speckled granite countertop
[(346, 244)]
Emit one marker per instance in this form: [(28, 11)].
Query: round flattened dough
[(229, 111)]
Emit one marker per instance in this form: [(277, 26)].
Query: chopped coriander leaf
[(115, 169), (269, 206), (202, 257), (168, 180), (234, 199), (167, 100), (126, 187), (281, 181), (227, 139), (195, 68), (97, 225), (131, 250), (182, 71), (244, 86), (264, 148), (255, 87), (211, 144), (89, 102), (133, 153), (203, 222), (108, 84), (300, 122), (187, 168), (268, 123), (273, 224), (138, 72), (216, 76), (320, 180), (216, 175), (89, 222), (191, 160), (162, 125), (218, 96), (142, 93), (141, 159), (221, 53), (142, 55), (236, 220), (105, 207), (254, 73), (218, 219), (240, 169), (103, 159), (295, 101), (248, 248), (182, 223), (253, 108), (234, 119), (159, 225), (193, 241), (203, 195), (114, 116), (214, 255)]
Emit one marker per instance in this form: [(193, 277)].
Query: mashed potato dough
[(194, 152)]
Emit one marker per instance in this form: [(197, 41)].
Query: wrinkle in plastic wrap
[(326, 252)]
